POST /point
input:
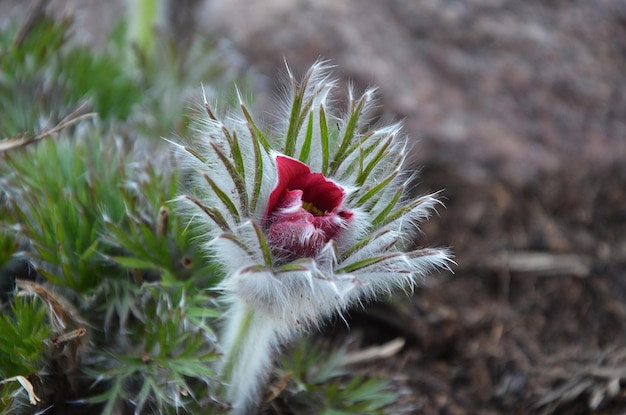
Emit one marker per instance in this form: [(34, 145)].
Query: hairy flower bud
[(304, 211), (303, 226)]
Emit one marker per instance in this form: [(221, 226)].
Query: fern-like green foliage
[(22, 348), (117, 264), (320, 384), (23, 326), (63, 211)]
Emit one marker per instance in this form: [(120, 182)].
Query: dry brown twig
[(600, 382), (382, 351), (74, 117), (28, 387)]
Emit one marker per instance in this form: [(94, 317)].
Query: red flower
[(304, 211)]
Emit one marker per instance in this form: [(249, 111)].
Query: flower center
[(310, 207)]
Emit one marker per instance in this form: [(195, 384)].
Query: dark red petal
[(287, 243), (299, 234), (289, 200), (322, 193), (288, 169), (293, 174)]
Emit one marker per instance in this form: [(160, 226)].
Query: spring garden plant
[(305, 221), (152, 283)]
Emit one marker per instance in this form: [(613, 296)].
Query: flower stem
[(242, 327), (142, 15), (249, 342)]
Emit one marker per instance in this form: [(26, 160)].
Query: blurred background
[(517, 110)]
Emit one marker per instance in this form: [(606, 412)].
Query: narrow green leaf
[(202, 312), (111, 396), (419, 253), (121, 236), (402, 211), (294, 119), (253, 269), (234, 239), (132, 262), (324, 140), (267, 255), (348, 135), (214, 214), (299, 111), (364, 173), (71, 276), (292, 267), (195, 154), (192, 368), (258, 170), (207, 107), (367, 262), (380, 218), (148, 388), (238, 181), (358, 145), (376, 189), (255, 131), (223, 197), (236, 149), (306, 146), (362, 243)]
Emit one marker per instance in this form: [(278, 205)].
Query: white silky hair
[(366, 260), (253, 364)]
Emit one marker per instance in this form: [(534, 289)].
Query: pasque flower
[(305, 220), (304, 212)]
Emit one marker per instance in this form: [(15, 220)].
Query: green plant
[(121, 310), (305, 221), (44, 77), (117, 267), (319, 382)]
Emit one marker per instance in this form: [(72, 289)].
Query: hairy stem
[(248, 347)]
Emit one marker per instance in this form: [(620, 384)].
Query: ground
[(520, 112)]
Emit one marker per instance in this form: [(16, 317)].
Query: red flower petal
[(303, 212), (316, 189), (322, 193), (288, 169)]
